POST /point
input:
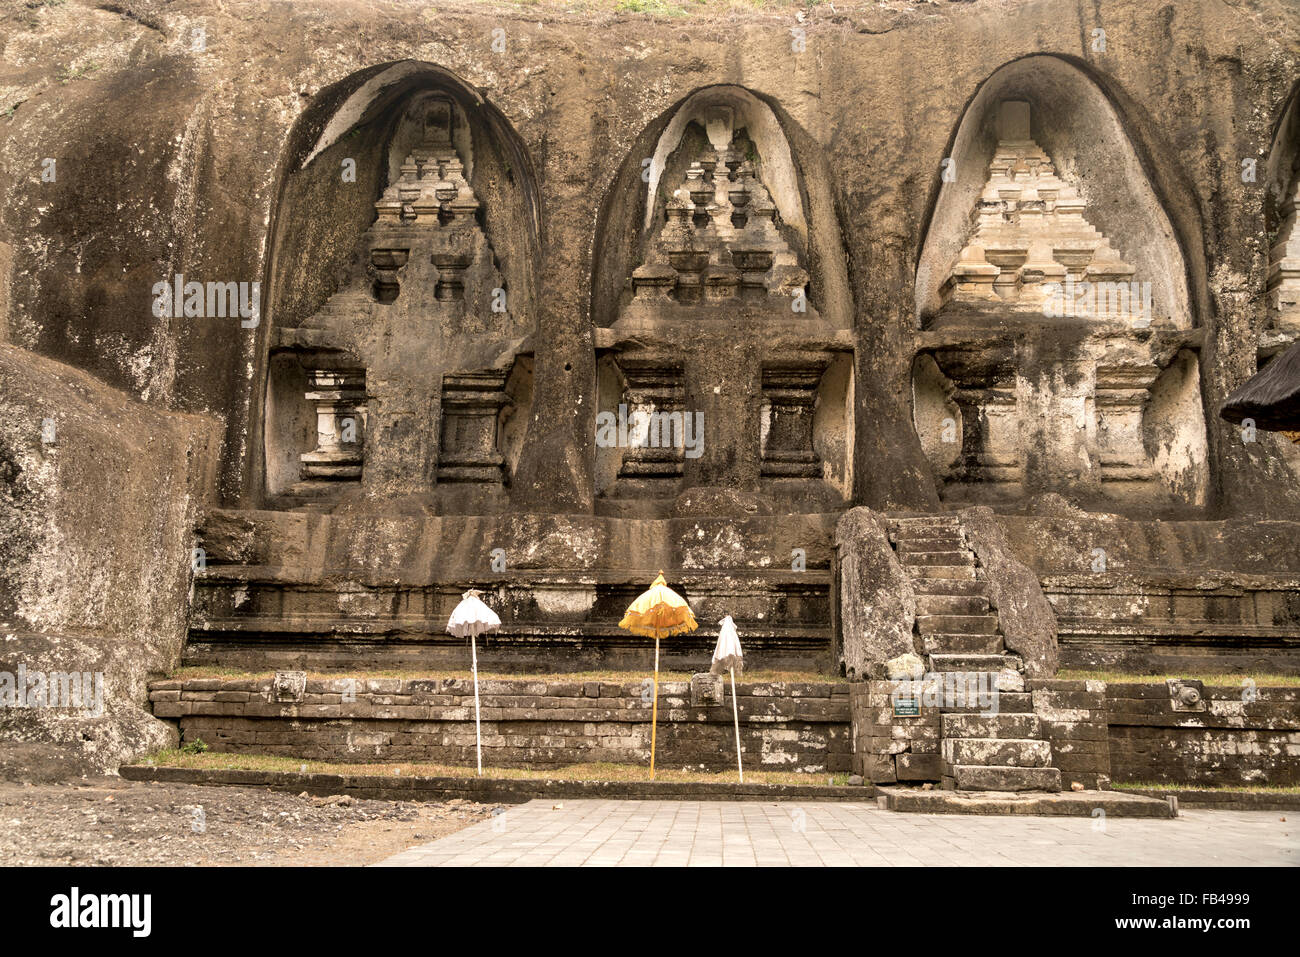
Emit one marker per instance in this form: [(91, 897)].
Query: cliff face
[(100, 497), (171, 127)]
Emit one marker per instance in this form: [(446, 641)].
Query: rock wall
[(96, 515), (173, 127)]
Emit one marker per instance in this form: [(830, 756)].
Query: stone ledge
[(1040, 804), (1225, 800), (490, 790)]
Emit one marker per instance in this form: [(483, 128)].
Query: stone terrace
[(786, 726)]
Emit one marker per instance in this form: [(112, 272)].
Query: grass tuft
[(1225, 788), (1222, 679)]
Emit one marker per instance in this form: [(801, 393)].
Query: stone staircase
[(958, 632)]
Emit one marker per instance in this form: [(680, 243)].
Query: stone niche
[(1051, 358), (1282, 174), (998, 424), (721, 370), (1281, 200), (316, 403), (405, 380)]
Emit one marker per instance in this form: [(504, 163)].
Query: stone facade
[(783, 726), (1097, 732), (786, 325)]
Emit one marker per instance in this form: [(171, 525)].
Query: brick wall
[(888, 750), (1073, 717), (783, 726), (1242, 735)]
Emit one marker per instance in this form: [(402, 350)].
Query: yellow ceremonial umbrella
[(658, 613)]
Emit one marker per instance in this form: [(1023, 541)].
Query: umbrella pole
[(654, 710), (736, 714), (478, 735)]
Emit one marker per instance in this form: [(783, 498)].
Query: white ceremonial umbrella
[(472, 618), (728, 657)]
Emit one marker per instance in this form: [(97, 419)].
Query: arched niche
[(1076, 124), (1058, 352), (1282, 176), (786, 161), (1281, 201), (406, 236), (720, 297), (316, 220)]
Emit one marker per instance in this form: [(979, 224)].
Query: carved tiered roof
[(719, 237), (1029, 227), (431, 189)]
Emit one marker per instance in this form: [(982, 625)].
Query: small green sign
[(907, 707)]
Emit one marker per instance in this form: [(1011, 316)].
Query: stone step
[(937, 558), (1008, 703), (996, 752), (938, 643), (927, 604), (966, 572), (926, 521), (957, 624), (992, 725), (950, 587), (968, 663), (930, 543), (978, 778), (1004, 681)]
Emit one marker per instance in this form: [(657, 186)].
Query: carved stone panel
[(472, 403), (654, 402), (339, 397), (790, 399)]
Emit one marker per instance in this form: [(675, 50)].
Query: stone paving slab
[(1065, 804), (591, 833)]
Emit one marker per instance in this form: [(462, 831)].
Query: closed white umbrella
[(727, 656), (471, 619)]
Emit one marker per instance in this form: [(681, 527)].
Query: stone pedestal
[(790, 400), (339, 397), (471, 410)]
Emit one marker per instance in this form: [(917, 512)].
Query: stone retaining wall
[(888, 750), (783, 726), (1241, 735), (1073, 716), (1128, 732), (1099, 732)]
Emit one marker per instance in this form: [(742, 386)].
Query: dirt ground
[(112, 822)]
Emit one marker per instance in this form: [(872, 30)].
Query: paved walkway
[(712, 833)]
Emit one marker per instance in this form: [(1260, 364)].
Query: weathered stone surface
[(707, 690), (783, 726), (810, 411), (1027, 621), (906, 666), (100, 497), (877, 603)]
